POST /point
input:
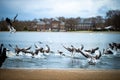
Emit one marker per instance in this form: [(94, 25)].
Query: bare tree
[(113, 19)]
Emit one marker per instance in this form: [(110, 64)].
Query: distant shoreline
[(73, 31)]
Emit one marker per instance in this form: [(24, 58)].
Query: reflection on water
[(55, 40)]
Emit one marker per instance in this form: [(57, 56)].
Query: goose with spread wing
[(18, 50), (92, 58), (10, 24)]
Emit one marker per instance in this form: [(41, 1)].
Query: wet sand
[(58, 74)]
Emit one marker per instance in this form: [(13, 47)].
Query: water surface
[(55, 40)]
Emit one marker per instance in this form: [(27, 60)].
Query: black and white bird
[(92, 59), (113, 48), (10, 24), (18, 49)]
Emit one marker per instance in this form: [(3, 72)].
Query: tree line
[(112, 19)]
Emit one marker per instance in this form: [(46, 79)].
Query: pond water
[(55, 40)]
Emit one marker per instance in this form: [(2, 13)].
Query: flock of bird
[(92, 54)]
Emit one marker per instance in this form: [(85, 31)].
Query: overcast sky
[(30, 9)]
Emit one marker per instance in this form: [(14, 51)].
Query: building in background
[(62, 27), (85, 24), (53, 25), (41, 26)]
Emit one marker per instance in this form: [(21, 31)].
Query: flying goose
[(10, 24)]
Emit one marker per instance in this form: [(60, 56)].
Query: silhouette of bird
[(3, 56), (8, 21), (1, 48)]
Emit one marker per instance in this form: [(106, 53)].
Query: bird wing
[(69, 49), (85, 54), (15, 17), (96, 48), (28, 48), (87, 50), (93, 50)]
